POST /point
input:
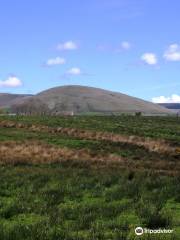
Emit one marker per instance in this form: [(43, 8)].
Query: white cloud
[(69, 45), (12, 81), (125, 45), (172, 53), (74, 71), (149, 58), (174, 98), (55, 61)]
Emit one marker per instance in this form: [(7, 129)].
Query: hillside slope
[(7, 100), (81, 99), (172, 106)]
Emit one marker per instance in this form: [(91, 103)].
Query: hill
[(82, 100), (7, 100), (172, 106)]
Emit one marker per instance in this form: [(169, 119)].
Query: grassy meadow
[(89, 177)]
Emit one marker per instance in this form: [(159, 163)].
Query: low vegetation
[(89, 178)]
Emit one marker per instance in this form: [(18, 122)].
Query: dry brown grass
[(37, 152), (34, 152), (13, 152), (159, 146)]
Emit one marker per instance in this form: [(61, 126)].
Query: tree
[(33, 106), (138, 114)]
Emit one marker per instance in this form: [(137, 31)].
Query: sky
[(129, 46)]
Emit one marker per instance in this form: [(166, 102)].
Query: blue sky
[(130, 46)]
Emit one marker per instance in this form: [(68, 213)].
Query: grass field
[(89, 178)]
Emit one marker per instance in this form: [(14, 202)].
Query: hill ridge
[(82, 100)]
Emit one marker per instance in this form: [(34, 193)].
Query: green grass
[(60, 202), (81, 202), (132, 152), (156, 127)]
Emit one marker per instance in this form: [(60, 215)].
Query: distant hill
[(7, 100), (172, 106), (83, 100)]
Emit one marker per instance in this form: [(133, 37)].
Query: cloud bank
[(69, 45), (55, 61), (172, 53), (149, 58), (74, 71), (174, 98), (12, 81)]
